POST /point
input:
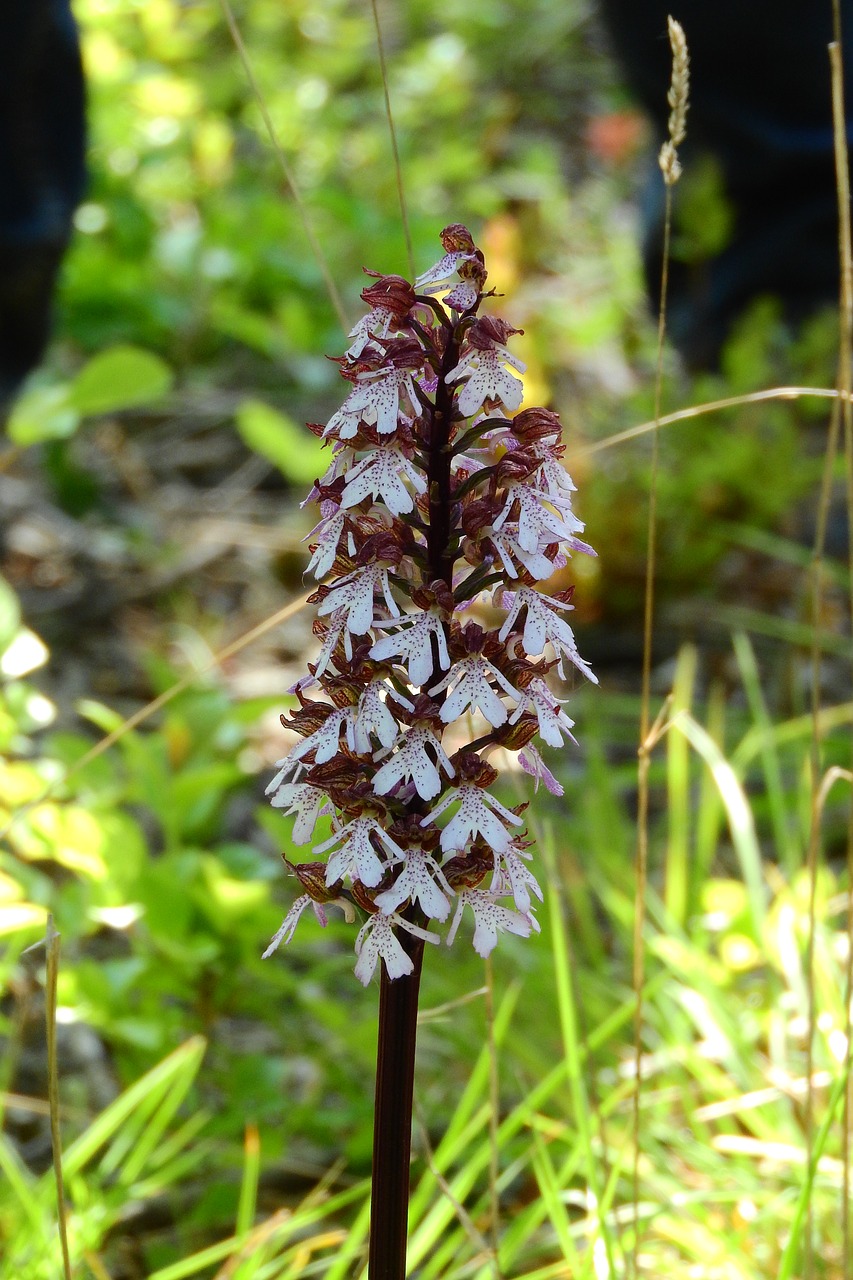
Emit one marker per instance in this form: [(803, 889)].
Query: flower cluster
[(442, 507)]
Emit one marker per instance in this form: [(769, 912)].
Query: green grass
[(724, 1182)]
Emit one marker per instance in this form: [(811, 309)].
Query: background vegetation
[(217, 1109)]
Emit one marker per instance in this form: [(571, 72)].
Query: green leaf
[(119, 378), (276, 437), (44, 413)]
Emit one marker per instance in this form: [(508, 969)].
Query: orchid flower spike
[(442, 494)]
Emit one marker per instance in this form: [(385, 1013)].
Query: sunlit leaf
[(276, 437), (119, 378), (44, 413)]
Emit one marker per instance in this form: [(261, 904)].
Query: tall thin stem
[(392, 1124)]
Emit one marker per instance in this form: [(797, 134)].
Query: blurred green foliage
[(159, 859), (189, 244)]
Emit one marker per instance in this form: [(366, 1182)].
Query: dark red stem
[(438, 475), (398, 999), (392, 1123)]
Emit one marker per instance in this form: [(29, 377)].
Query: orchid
[(414, 761), (421, 880), (553, 721), (380, 475), (413, 645), (377, 938), (443, 496), (471, 678), (479, 814), (490, 917), (306, 802), (355, 595), (373, 717)]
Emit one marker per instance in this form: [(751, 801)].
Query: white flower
[(375, 324), (553, 721), (285, 931), (372, 716), (570, 651), (356, 856), (337, 627), (474, 817), (306, 802), (542, 622), (354, 594), (507, 546), (377, 938), (489, 917), (325, 740), (328, 533), (532, 763), (412, 644), (488, 379), (417, 881), (379, 475), (536, 520), (342, 457), (461, 297), (376, 399), (470, 678), (442, 271), (542, 625), (558, 483), (345, 422), (519, 877), (288, 770), (412, 761)]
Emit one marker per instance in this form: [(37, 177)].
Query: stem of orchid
[(398, 998), (392, 1124)]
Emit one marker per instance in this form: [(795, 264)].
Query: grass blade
[(183, 1062), (51, 977), (247, 1203), (741, 823), (572, 1047)]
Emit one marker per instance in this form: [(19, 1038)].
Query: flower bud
[(467, 872), (457, 239), (488, 330), (312, 877), (363, 897), (392, 293), (515, 736)]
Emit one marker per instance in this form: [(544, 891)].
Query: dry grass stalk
[(677, 97)]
